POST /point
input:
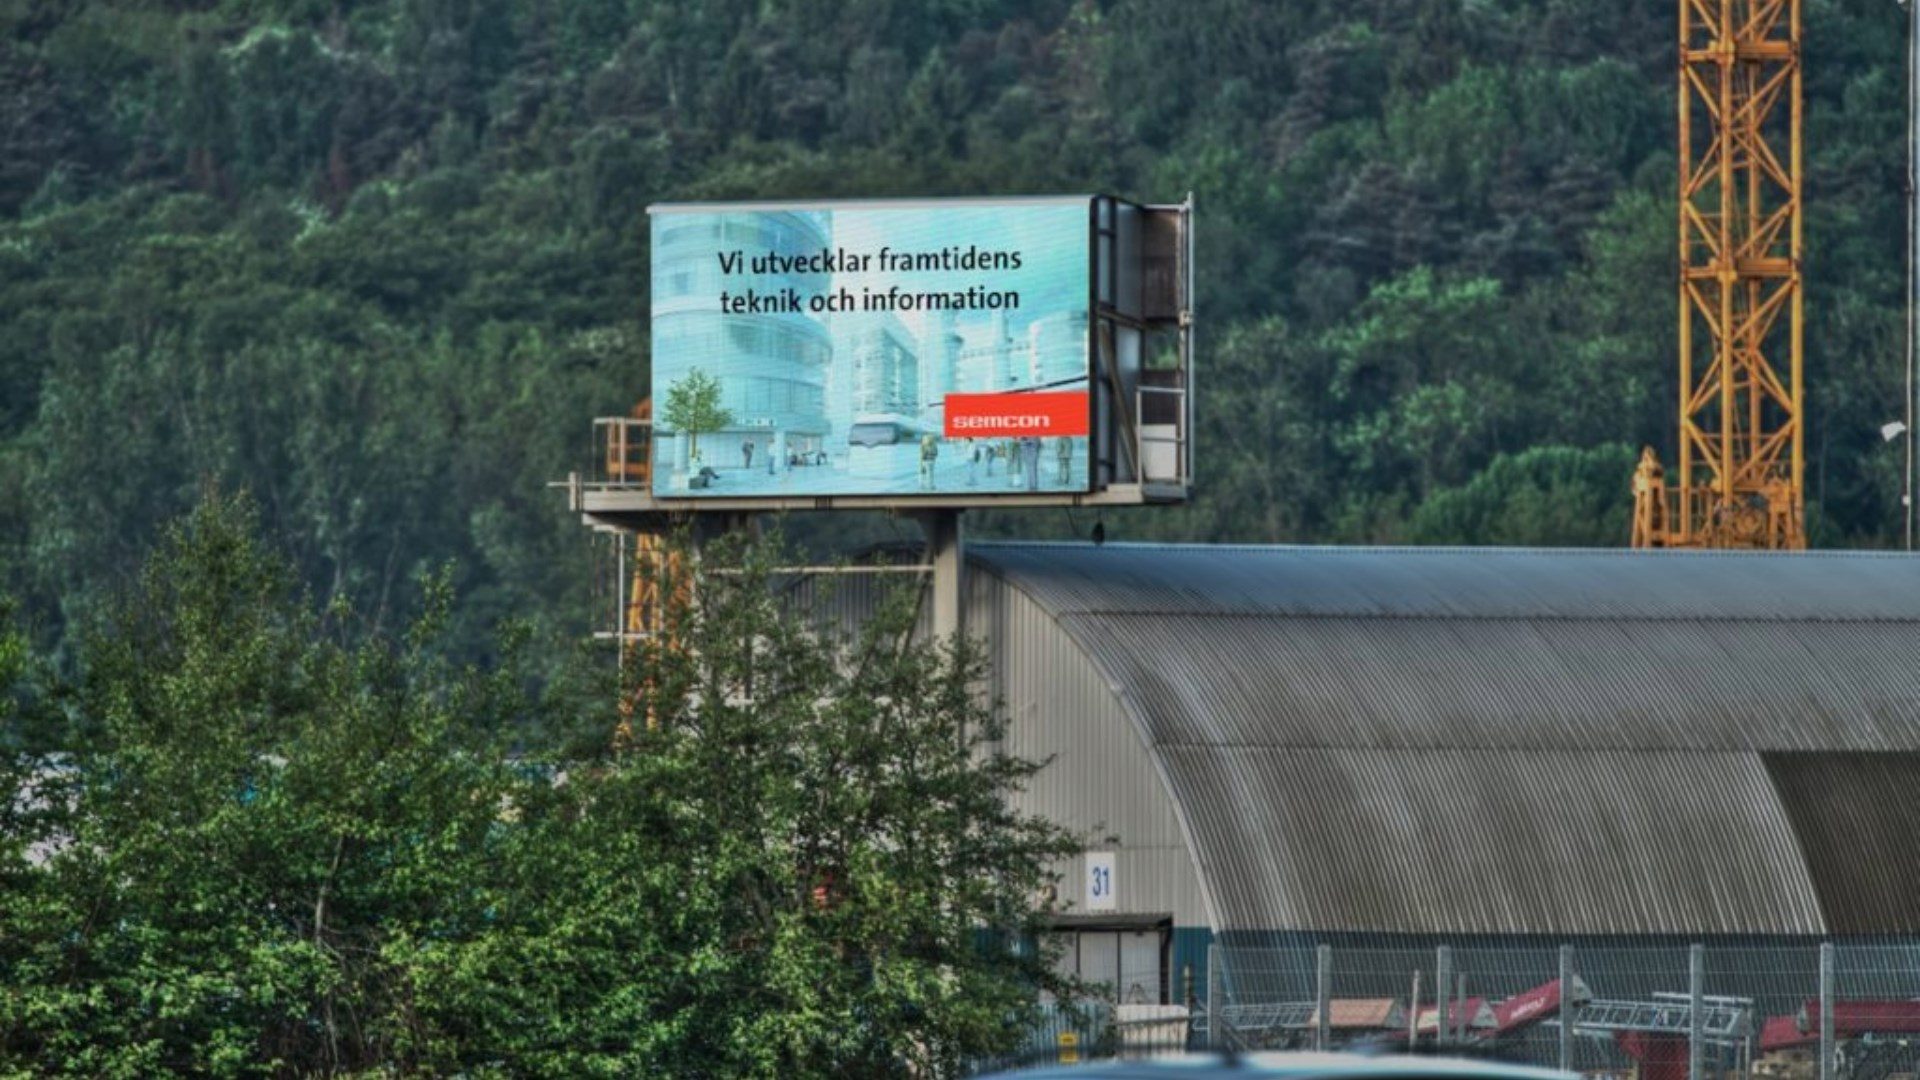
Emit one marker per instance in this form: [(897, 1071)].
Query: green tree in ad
[(693, 406)]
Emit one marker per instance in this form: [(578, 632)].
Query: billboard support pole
[(946, 553)]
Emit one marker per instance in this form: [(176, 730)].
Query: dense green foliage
[(381, 262), (257, 849), (15, 658)]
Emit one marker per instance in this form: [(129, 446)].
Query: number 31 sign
[(1100, 881)]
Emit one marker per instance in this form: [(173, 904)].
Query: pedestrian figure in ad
[(746, 451), (1063, 447), (1030, 454), (1014, 476), (973, 460), (929, 451)]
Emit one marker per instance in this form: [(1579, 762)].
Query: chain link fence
[(1097, 1031), (1681, 1012)]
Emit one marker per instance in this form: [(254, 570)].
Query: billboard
[(872, 349)]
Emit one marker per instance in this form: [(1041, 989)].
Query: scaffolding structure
[(1740, 474)]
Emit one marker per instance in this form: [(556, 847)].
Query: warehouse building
[(1275, 745)]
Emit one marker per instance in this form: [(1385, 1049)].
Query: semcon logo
[(988, 425), (988, 416)]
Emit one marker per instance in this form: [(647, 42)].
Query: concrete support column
[(946, 551)]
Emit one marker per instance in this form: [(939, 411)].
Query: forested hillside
[(380, 262)]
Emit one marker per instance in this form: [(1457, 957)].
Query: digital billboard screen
[(871, 349)]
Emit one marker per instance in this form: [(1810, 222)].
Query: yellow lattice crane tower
[(1742, 416)]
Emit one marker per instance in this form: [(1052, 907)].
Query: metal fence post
[(1826, 1011), (1566, 1008), (1413, 1030), (1322, 996), (1696, 1010), (1214, 958), (1442, 989)]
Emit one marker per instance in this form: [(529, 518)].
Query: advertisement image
[(871, 349)]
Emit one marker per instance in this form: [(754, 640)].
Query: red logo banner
[(1012, 415)]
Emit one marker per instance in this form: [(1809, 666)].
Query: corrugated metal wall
[(1469, 842), (1858, 820), (1406, 742), (1102, 780)]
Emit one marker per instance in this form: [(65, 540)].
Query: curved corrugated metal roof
[(1503, 741)]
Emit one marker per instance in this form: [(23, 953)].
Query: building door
[(1100, 958), (1141, 978), (1128, 963)]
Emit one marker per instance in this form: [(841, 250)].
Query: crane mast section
[(1741, 474)]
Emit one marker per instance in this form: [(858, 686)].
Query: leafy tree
[(1545, 496), (252, 831), (859, 843), (24, 726), (693, 406), (13, 655), (268, 849)]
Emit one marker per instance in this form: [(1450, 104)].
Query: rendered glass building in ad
[(771, 367)]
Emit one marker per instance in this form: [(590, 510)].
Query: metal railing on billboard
[(623, 451), (1164, 450)]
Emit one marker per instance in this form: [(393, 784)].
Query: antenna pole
[(1913, 250)]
